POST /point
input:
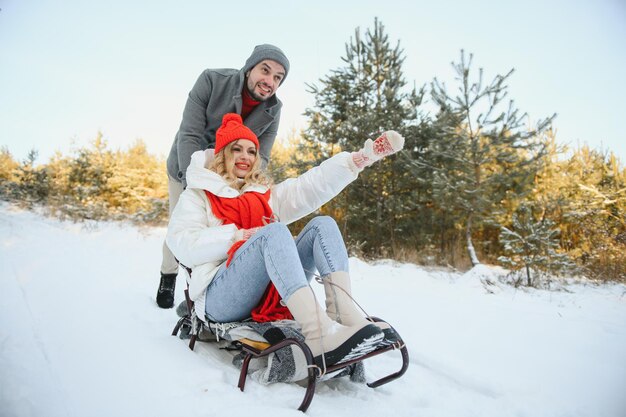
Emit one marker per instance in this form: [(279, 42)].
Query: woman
[(224, 228)]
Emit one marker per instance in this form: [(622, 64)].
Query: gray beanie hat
[(267, 51)]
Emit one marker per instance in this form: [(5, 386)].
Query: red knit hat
[(232, 129)]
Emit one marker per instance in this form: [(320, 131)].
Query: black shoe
[(165, 294)]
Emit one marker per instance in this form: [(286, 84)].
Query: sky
[(71, 69)]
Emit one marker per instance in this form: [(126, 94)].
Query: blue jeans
[(273, 255)]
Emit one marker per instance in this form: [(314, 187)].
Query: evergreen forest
[(477, 182)]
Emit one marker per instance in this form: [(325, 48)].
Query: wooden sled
[(254, 349)]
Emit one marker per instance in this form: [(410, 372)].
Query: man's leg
[(169, 266)]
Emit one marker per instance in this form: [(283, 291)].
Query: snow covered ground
[(81, 335)]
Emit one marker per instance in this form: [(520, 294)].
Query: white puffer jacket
[(200, 241)]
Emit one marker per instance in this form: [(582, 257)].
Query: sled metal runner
[(313, 370)]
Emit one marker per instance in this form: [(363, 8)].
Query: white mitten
[(244, 234), (388, 143)]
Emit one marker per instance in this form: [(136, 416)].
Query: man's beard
[(254, 95)]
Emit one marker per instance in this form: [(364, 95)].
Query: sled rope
[(320, 280), (319, 326), (397, 345)]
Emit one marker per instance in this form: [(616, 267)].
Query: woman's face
[(241, 158)]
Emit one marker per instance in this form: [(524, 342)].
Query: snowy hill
[(81, 335)]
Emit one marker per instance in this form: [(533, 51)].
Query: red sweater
[(248, 103)]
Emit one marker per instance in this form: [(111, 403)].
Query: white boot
[(337, 342), (341, 308)]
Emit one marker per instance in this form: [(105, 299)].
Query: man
[(250, 92)]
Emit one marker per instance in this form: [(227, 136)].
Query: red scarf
[(245, 212)]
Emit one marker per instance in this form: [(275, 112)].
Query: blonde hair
[(256, 176)]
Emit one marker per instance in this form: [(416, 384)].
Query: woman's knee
[(325, 223), (277, 231)]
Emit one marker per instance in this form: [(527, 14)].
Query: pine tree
[(31, 184), (96, 182), (484, 153), (357, 102), (8, 173), (137, 185), (84, 190), (595, 218), (532, 245)]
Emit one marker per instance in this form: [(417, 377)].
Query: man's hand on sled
[(386, 144)]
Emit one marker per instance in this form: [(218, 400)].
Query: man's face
[(263, 80)]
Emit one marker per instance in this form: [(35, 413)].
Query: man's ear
[(248, 74)]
